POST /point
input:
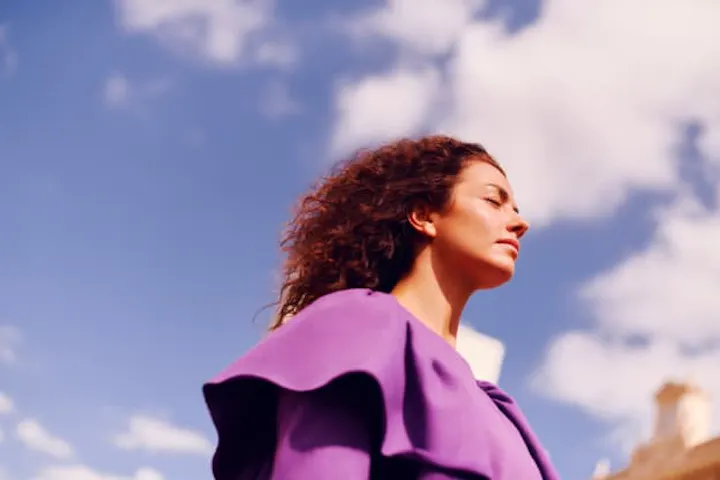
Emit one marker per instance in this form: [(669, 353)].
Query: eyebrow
[(504, 195)]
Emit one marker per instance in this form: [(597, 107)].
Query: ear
[(421, 218)]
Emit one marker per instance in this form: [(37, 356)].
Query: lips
[(512, 242)]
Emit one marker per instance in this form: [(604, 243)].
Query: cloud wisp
[(160, 436)]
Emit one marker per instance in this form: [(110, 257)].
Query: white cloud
[(35, 437), (159, 436), (656, 316), (120, 92), (6, 404), (423, 26), (383, 106), (669, 291), (279, 54), (581, 107), (10, 339), (709, 143), (216, 30), (8, 56), (82, 472)]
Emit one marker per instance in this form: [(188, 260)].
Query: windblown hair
[(352, 230)]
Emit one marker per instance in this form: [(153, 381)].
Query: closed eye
[(504, 197)]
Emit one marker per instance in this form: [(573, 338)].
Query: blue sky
[(150, 153)]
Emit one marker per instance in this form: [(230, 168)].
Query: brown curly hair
[(352, 229)]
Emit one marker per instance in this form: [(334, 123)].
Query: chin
[(496, 274)]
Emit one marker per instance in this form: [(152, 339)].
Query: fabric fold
[(431, 408)]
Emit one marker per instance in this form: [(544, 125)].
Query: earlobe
[(421, 219)]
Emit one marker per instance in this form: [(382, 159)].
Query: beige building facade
[(681, 447)]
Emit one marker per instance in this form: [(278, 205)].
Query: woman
[(360, 378)]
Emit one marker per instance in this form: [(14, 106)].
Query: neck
[(433, 296)]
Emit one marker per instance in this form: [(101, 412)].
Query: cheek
[(472, 227), (485, 229), (479, 219)]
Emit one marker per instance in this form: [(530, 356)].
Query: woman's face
[(477, 237)]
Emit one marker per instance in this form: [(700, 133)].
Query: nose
[(518, 225)]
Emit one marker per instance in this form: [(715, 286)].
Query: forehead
[(478, 173)]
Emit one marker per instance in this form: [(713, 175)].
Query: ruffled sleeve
[(348, 339), (325, 434)]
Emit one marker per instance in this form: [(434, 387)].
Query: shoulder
[(347, 315), (331, 336), (352, 339), (350, 306), (346, 347)]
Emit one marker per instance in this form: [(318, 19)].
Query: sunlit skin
[(472, 245)]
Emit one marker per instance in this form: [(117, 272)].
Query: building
[(484, 354), (680, 447)]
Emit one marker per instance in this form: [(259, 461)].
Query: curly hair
[(352, 229)]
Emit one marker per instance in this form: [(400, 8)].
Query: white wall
[(485, 354)]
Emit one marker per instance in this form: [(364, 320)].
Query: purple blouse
[(355, 387)]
